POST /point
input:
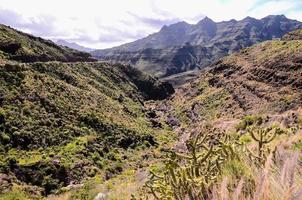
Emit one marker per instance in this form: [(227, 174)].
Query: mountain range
[(74, 45), (182, 47), (74, 128)]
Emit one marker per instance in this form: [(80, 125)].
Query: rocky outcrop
[(263, 80), (100, 196)]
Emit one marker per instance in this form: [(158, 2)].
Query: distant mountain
[(182, 47), (267, 74), (73, 45), (19, 46)]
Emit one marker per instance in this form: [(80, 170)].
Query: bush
[(84, 193), (249, 120), (4, 138), (2, 117), (15, 194)]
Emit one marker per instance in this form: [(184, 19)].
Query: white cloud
[(101, 24)]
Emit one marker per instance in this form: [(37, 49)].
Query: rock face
[(265, 79), (182, 47), (5, 183), (267, 74), (19, 46)]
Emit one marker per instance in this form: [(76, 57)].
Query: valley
[(222, 122)]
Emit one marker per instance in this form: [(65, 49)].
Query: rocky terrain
[(264, 79), (182, 47), (238, 125)]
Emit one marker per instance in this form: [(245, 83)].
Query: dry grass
[(279, 179), (65, 196)]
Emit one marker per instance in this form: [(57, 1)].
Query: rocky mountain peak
[(205, 21), (249, 19), (275, 17), (209, 41), (177, 26)]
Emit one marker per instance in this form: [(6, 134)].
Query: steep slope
[(19, 46), (239, 127), (60, 123), (294, 35), (63, 122), (181, 47), (265, 80)]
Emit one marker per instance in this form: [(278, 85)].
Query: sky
[(107, 23)]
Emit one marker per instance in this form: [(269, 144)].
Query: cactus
[(262, 136), (188, 175)]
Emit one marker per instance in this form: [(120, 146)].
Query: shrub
[(4, 138), (85, 193), (15, 194), (249, 120)]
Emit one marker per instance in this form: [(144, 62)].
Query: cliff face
[(183, 47)]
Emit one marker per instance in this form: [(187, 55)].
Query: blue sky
[(107, 23)]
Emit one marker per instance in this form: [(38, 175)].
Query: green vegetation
[(68, 122), (77, 129), (249, 120), (253, 99), (15, 45), (212, 156), (192, 173), (14, 194), (273, 49)]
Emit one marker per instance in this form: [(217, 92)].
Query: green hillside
[(19, 46), (63, 122)]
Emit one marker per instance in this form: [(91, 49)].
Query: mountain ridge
[(199, 44), (23, 47), (264, 79), (73, 45)]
